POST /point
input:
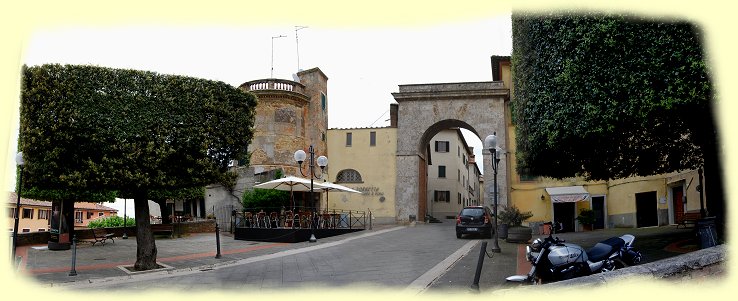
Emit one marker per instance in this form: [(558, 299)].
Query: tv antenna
[(277, 37), (297, 45)]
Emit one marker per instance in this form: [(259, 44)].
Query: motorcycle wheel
[(608, 266)]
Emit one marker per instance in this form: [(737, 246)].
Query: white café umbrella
[(328, 187), (290, 183)]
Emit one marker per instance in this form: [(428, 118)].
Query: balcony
[(273, 88), (274, 84)]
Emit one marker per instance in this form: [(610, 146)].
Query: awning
[(567, 194)]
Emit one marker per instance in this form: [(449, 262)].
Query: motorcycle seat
[(604, 248)]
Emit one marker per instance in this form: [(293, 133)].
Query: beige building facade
[(35, 215), (363, 159), (453, 176)]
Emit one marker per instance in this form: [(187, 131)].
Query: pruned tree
[(613, 96), (93, 128)]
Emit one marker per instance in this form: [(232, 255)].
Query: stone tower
[(290, 115)]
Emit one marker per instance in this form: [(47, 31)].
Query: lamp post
[(703, 213), (491, 143), (18, 161), (322, 161), (125, 219)]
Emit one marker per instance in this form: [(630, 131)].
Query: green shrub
[(265, 198), (110, 222), (512, 216)]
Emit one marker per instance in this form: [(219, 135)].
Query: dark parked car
[(474, 220)]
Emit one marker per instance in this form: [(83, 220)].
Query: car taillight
[(486, 219), (458, 220)]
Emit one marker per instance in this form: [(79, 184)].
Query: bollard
[(73, 272), (217, 239), (480, 262)]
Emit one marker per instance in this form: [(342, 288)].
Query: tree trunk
[(145, 244)]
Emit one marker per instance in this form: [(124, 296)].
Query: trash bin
[(706, 232)]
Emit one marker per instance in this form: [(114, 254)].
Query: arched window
[(348, 176)]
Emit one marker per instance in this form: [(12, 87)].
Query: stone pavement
[(420, 258)]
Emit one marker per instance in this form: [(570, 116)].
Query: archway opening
[(451, 170)]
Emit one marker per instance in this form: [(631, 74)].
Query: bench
[(688, 218), (101, 236), (167, 229)]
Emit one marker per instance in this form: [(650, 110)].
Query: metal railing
[(301, 218), (275, 84)]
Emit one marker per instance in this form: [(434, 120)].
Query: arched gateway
[(426, 109)]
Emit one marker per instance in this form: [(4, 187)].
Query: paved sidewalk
[(191, 252)]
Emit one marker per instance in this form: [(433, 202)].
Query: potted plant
[(586, 218), (512, 218)]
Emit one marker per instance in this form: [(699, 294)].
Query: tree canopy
[(609, 96), (613, 96), (94, 128), (144, 135)]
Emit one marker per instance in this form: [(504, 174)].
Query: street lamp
[(491, 143), (20, 162), (125, 219), (322, 161)]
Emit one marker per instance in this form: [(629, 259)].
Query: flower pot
[(519, 234), (502, 231)]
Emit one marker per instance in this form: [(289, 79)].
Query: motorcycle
[(553, 259)]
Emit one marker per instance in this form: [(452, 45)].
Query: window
[(372, 138), (441, 171), (27, 212), (11, 212), (458, 175), (43, 214), (442, 196), (442, 146), (459, 196), (322, 136), (89, 214), (322, 101), (41, 229), (99, 214), (26, 230), (348, 139), (348, 176), (78, 217)]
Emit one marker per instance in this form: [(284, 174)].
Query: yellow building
[(363, 159), (631, 202)]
